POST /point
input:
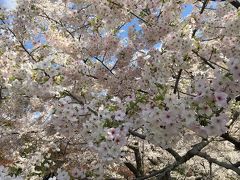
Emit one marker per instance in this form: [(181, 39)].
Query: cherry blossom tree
[(80, 100)]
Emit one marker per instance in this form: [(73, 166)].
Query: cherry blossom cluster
[(67, 71)]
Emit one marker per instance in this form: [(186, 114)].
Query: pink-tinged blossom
[(205, 109), (119, 115), (234, 66), (120, 140), (217, 125), (62, 175), (202, 132), (168, 116), (189, 116), (221, 99), (76, 173), (111, 133), (87, 81)]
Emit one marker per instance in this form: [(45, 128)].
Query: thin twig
[(132, 13), (20, 42), (203, 59), (177, 81), (99, 60), (81, 102)]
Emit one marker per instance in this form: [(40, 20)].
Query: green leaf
[(12, 78), (14, 170), (132, 108), (111, 123), (112, 107)]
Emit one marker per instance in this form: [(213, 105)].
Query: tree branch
[(237, 164), (57, 22), (132, 13), (215, 161), (173, 153), (237, 98), (20, 42), (138, 160), (99, 60), (142, 136), (132, 168), (80, 102), (235, 3), (232, 140), (228, 137), (234, 118), (191, 153), (177, 81), (203, 59), (134, 133), (205, 3)]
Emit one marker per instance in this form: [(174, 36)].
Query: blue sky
[(187, 10), (8, 4), (123, 33)]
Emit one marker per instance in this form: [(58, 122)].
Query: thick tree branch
[(237, 98), (237, 164), (222, 164), (232, 140), (205, 3), (191, 153), (234, 118), (235, 3), (132, 168), (138, 160), (173, 153), (134, 133), (228, 137)]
